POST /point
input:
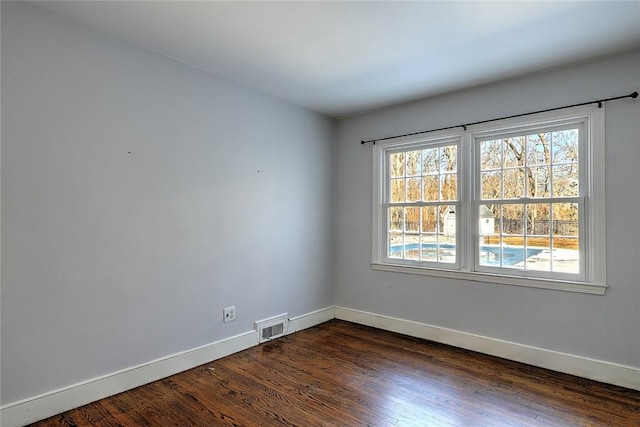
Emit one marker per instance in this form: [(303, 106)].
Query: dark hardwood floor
[(343, 374)]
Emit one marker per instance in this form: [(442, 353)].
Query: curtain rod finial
[(634, 95)]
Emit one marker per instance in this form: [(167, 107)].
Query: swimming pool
[(489, 254)]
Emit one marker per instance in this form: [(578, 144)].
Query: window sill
[(558, 285)]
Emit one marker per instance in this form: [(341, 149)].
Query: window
[(422, 198), (518, 201)]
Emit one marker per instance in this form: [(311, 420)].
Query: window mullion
[(466, 192)]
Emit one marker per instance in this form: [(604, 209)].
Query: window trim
[(592, 165)]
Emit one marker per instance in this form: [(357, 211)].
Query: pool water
[(489, 254)]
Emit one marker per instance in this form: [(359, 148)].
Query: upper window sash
[(478, 138)]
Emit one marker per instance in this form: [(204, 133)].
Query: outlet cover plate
[(229, 314)]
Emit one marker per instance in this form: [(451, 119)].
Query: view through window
[(423, 189), (531, 209)]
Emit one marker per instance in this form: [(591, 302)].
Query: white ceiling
[(343, 58)]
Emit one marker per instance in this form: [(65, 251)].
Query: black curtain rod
[(464, 126)]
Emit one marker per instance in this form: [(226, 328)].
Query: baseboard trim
[(309, 320), (611, 373), (54, 402)]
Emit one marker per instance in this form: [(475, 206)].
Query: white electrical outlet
[(229, 314)]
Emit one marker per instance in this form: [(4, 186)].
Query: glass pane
[(512, 250), (539, 183), (490, 255), (538, 222), (431, 191), (413, 163), (429, 219), (514, 151), (448, 224), (413, 189), (396, 219), (412, 219), (565, 220), (447, 253), (491, 185), (489, 235), (513, 183), (539, 254), (513, 223), (397, 190), (490, 222), (442, 210), (447, 238), (395, 245), (565, 145), (412, 246), (491, 157), (513, 256), (449, 186), (429, 245), (566, 256), (430, 161), (396, 164), (565, 180), (448, 158), (538, 149), (566, 250)]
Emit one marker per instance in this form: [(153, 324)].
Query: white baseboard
[(54, 402), (309, 320), (51, 403), (611, 373)]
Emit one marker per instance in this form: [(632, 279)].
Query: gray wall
[(601, 327), (139, 197)]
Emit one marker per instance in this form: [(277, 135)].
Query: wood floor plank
[(344, 374)]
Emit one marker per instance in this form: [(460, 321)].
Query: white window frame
[(592, 277)]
